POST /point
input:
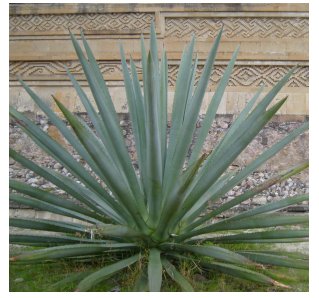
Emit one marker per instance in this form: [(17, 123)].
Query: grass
[(43, 277)]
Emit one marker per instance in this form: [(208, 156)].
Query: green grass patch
[(46, 277)]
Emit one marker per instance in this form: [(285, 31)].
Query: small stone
[(43, 121), (231, 193), (29, 175), (19, 279), (33, 181), (260, 200), (223, 124), (250, 182), (122, 123), (247, 202), (57, 166)]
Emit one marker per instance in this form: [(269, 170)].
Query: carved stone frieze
[(92, 21), (243, 27), (243, 75), (251, 75)]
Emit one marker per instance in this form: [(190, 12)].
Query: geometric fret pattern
[(244, 27), (89, 21), (242, 75), (251, 75)]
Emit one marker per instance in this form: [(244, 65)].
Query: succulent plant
[(156, 215)]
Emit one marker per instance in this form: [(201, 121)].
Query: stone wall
[(272, 38)]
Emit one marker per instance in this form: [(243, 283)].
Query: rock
[(43, 121), (259, 200), (19, 279), (33, 181), (58, 166), (247, 202), (223, 124), (231, 193), (238, 192)]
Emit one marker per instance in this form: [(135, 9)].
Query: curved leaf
[(177, 276), (154, 270), (70, 251), (105, 273)]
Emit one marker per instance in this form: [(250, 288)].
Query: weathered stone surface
[(272, 39)]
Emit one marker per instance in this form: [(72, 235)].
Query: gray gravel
[(285, 189)]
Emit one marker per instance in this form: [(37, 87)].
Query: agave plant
[(155, 216)]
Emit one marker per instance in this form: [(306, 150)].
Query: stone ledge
[(64, 8)]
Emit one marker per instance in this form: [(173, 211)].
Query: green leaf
[(95, 199), (281, 261), (254, 222), (50, 198), (69, 251), (105, 273), (56, 151), (48, 225), (272, 206), (180, 141), (179, 106), (242, 273), (61, 126), (45, 240), (153, 144), (260, 160), (174, 200), (163, 104), (137, 118), (210, 251), (108, 114), (222, 161), (70, 278), (140, 109), (212, 108), (177, 276), (141, 284), (119, 231), (43, 205), (95, 149), (264, 235), (249, 194), (154, 270)]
